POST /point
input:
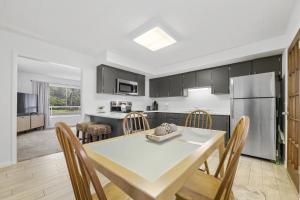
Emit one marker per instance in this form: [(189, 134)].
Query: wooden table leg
[(221, 152)]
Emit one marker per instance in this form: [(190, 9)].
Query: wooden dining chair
[(199, 119), (81, 170), (213, 187), (135, 122)]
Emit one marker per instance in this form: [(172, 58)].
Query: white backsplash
[(138, 103), (197, 98)]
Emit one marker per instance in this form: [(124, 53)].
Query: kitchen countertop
[(113, 115), (185, 112), (116, 115)]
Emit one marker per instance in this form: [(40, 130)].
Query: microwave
[(127, 87)]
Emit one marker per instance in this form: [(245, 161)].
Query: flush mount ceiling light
[(155, 39)]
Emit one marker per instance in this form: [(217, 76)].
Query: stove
[(120, 106)]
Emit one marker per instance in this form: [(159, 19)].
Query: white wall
[(25, 84), (11, 45), (258, 49), (294, 22), (197, 98)]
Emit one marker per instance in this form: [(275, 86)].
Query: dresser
[(29, 122)]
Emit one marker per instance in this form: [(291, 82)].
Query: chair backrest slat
[(199, 119), (80, 168), (132, 124), (232, 154)]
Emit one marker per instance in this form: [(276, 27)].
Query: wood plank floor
[(47, 178)]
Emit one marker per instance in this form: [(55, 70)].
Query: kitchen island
[(115, 120), (221, 120)]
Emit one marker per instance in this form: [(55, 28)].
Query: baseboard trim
[(5, 164)]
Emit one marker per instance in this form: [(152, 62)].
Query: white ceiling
[(201, 27), (49, 69)]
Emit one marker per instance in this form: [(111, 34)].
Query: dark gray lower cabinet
[(220, 80), (151, 117), (116, 124), (219, 122), (176, 118), (240, 69), (222, 122), (157, 118)]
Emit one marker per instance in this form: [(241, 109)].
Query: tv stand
[(30, 122)]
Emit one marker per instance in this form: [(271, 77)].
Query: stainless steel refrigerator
[(255, 96)]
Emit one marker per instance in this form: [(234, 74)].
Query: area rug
[(37, 143)]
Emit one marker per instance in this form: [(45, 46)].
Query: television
[(27, 104)]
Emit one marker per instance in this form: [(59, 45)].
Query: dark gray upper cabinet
[(203, 78), (217, 78), (268, 64), (141, 84), (125, 75), (175, 85), (189, 80), (106, 79), (240, 69), (163, 87), (153, 84), (220, 80)]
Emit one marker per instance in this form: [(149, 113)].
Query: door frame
[(14, 89), (293, 173)]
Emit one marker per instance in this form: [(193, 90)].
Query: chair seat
[(82, 126), (200, 186), (98, 129), (112, 192)]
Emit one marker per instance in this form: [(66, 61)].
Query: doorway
[(293, 137), (46, 93)]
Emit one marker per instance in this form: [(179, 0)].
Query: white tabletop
[(158, 158), (154, 171)]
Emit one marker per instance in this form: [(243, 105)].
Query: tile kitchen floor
[(47, 178)]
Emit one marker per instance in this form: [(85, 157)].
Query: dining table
[(150, 170)]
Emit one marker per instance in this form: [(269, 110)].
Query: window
[(64, 100)]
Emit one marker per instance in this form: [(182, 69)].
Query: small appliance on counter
[(155, 105), (100, 109), (120, 106)]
